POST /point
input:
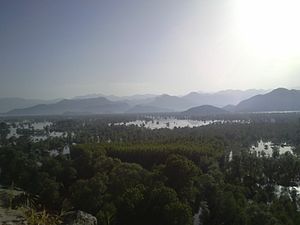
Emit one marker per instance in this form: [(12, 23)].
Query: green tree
[(88, 195), (4, 131)]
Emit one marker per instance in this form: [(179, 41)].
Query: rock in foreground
[(79, 218)]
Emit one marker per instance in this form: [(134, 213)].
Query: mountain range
[(222, 98), (8, 104), (98, 105), (193, 103)]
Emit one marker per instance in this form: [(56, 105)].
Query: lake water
[(171, 123), (41, 125), (39, 128), (13, 133), (268, 147)]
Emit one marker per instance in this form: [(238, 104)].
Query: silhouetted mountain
[(204, 110), (75, 106), (171, 102), (7, 104), (147, 109), (177, 103), (221, 98), (118, 98), (280, 99), (229, 108), (89, 96), (131, 100), (97, 103), (138, 97)]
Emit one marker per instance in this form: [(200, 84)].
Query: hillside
[(204, 110), (99, 105), (221, 98), (280, 99), (8, 104), (171, 102), (147, 109)]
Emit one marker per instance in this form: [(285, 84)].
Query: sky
[(65, 48)]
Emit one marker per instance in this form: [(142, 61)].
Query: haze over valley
[(161, 112), (280, 99)]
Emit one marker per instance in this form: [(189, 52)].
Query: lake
[(268, 148), (40, 130), (171, 123)]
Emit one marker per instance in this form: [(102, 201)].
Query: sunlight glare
[(269, 28)]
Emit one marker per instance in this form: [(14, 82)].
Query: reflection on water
[(279, 190), (12, 132), (39, 131), (172, 123), (41, 125), (268, 148)]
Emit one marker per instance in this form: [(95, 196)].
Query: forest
[(129, 175)]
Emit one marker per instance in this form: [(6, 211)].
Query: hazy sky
[(64, 48)]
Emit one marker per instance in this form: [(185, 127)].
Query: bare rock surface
[(79, 218)]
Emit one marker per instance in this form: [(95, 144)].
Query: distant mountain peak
[(204, 110), (165, 96), (280, 90), (221, 98)]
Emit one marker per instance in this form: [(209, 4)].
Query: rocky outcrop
[(79, 218), (10, 216)]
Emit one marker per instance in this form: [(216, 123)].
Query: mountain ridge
[(10, 103), (204, 110), (92, 105), (280, 99)]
